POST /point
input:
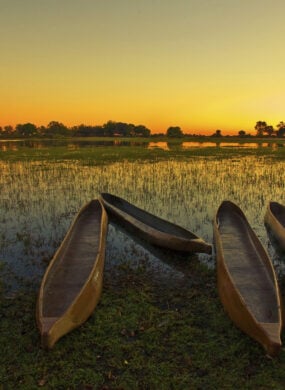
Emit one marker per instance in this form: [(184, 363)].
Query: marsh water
[(40, 199), (71, 144)]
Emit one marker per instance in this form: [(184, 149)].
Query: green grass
[(144, 334), (147, 332)]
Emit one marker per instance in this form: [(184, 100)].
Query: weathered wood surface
[(152, 228), (72, 284), (247, 282)]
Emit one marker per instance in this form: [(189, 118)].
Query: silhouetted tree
[(87, 131), (8, 130), (281, 132), (109, 128), (112, 128), (241, 133), (174, 131), (123, 129), (41, 130), (141, 130), (269, 130), (26, 129), (281, 129), (280, 125), (56, 128), (260, 127), (218, 133)]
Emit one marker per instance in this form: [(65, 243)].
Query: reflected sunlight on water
[(75, 144), (161, 145), (40, 199), (187, 145)]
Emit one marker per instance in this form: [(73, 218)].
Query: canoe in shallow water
[(247, 282), (153, 229), (275, 220), (72, 284)]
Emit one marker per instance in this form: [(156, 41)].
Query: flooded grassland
[(159, 321), (40, 199)]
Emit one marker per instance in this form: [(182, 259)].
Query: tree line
[(109, 129), (262, 128), (121, 129)]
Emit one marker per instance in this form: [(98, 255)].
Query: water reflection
[(228, 144), (39, 200), (160, 145), (187, 145), (15, 145), (123, 247), (74, 144)]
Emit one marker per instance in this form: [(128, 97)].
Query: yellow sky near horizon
[(198, 64)]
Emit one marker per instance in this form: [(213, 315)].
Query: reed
[(39, 200), (159, 323)]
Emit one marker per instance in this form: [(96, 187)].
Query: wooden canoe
[(275, 220), (72, 284), (247, 282), (153, 229)]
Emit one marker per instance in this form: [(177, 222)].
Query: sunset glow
[(198, 64)]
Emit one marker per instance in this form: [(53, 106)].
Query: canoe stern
[(53, 325), (53, 328), (273, 344), (266, 333)]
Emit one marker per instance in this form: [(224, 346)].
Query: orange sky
[(198, 64)]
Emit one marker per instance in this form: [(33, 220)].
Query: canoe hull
[(52, 328), (266, 333), (76, 315), (274, 217), (153, 229)]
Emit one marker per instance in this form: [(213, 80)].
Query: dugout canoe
[(72, 284), (151, 228), (275, 220), (247, 283)]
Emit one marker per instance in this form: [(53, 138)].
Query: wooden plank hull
[(72, 284), (275, 220), (247, 283), (153, 229)]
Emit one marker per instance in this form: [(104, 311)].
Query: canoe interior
[(278, 211), (249, 272), (147, 218), (74, 262)]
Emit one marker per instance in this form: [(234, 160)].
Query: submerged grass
[(149, 331)]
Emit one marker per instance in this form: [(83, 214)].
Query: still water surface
[(39, 200), (15, 145)]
